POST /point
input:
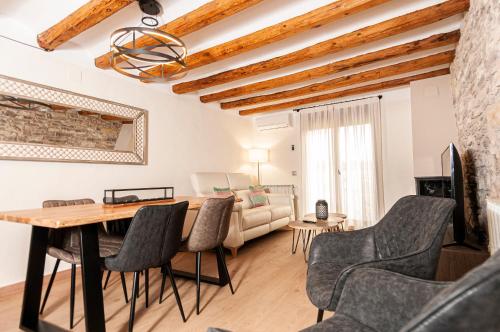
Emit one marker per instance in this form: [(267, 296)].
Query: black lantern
[(321, 209)]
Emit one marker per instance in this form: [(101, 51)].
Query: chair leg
[(198, 272), (72, 296), (146, 286), (124, 286), (222, 256), (320, 315), (135, 289), (107, 280), (163, 279), (176, 293), (49, 286)]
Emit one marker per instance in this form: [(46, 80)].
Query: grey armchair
[(378, 300), (406, 240)]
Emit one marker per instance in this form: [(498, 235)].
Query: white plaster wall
[(184, 136), (433, 123), (396, 149)]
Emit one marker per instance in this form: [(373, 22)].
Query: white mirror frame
[(42, 152)]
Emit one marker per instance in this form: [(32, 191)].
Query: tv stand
[(463, 244)]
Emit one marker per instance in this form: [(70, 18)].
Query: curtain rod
[(337, 102)]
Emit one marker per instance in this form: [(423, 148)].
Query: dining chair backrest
[(65, 237), (211, 225), (153, 238)]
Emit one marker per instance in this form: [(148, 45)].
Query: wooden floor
[(268, 280), (269, 283)]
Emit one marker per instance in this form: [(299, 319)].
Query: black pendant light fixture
[(133, 58)]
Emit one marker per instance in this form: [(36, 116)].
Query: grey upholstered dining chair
[(407, 240), (152, 240), (208, 232), (64, 245), (379, 300), (119, 228)]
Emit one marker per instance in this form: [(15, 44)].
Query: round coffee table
[(309, 227)]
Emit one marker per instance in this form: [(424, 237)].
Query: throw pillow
[(260, 187), (223, 191), (258, 197)]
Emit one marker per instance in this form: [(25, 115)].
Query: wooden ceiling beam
[(311, 20), (80, 20), (195, 20), (349, 40), (340, 82), (345, 93), (428, 43)]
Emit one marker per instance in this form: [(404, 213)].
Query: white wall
[(184, 136), (396, 149), (433, 122), (397, 152)]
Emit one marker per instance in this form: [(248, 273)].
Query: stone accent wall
[(476, 97), (58, 127)]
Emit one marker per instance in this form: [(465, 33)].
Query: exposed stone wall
[(58, 127), (476, 98)]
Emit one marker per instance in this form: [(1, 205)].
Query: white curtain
[(342, 160)]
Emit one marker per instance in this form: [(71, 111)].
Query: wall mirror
[(47, 124)]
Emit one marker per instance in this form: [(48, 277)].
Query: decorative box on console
[(135, 195)]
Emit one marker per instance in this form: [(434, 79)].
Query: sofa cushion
[(260, 187), (239, 181), (280, 211), (223, 191), (258, 197), (244, 195), (204, 182), (256, 217)]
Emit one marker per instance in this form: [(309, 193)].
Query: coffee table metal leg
[(305, 243), (296, 244)]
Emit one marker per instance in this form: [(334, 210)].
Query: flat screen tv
[(452, 167)]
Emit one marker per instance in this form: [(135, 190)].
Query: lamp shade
[(258, 155)]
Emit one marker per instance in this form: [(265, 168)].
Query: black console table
[(436, 186)]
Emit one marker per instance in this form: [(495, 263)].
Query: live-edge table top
[(78, 215)]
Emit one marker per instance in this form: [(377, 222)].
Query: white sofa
[(246, 222)]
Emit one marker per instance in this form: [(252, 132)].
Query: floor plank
[(270, 295)]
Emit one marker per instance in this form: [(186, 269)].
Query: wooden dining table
[(86, 218)]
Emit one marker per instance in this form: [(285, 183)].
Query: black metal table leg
[(222, 280), (221, 269), (34, 279), (91, 282)]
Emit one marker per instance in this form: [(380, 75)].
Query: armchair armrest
[(385, 300), (343, 247), (413, 265)]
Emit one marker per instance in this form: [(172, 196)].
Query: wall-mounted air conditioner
[(273, 122)]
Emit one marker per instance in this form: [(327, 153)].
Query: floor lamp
[(258, 156)]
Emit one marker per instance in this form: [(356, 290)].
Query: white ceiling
[(22, 20)]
